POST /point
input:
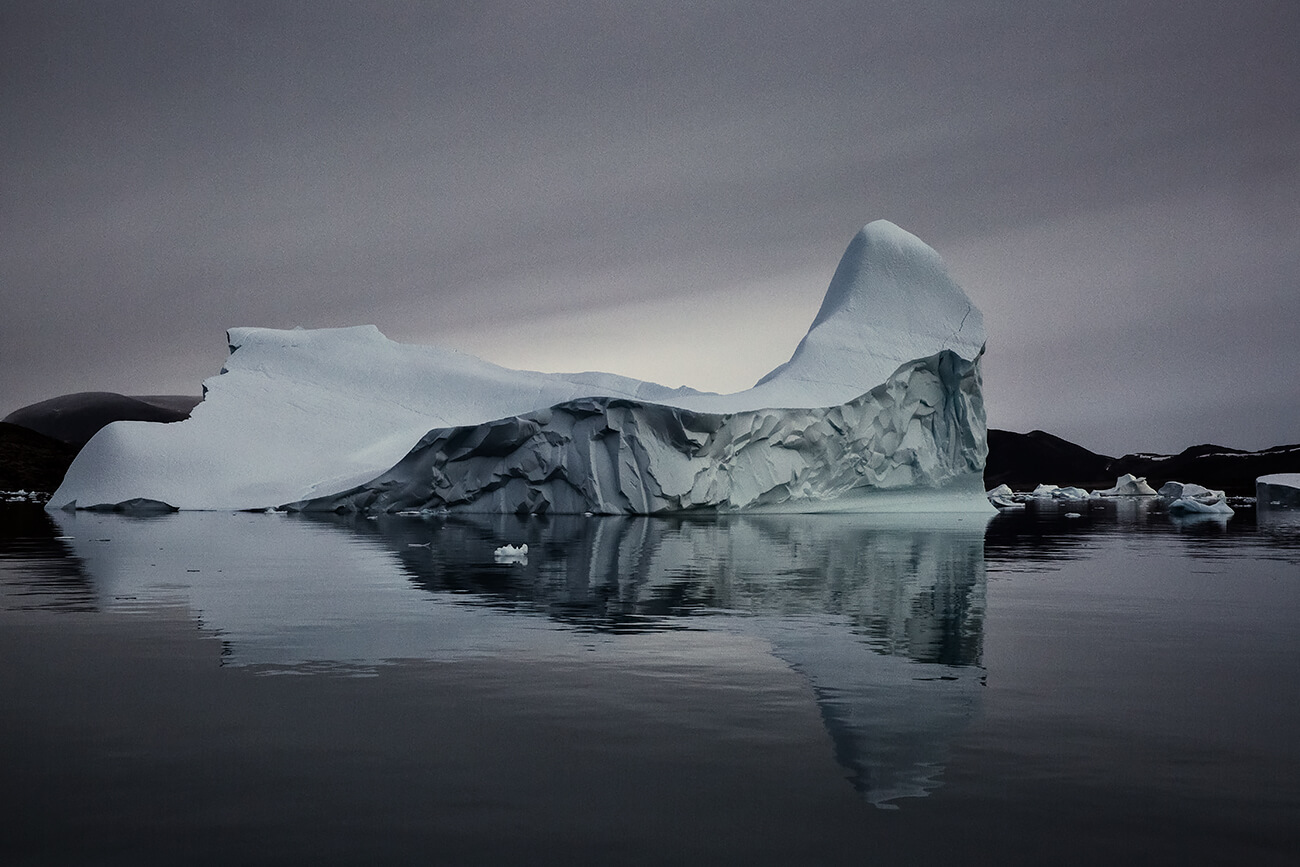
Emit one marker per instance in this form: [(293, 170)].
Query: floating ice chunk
[(1187, 490), (1129, 485), (1002, 497), (511, 554), (1193, 506), (1056, 492), (880, 408)]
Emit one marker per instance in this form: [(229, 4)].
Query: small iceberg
[(1191, 499), (1003, 498), (1193, 506), (1056, 492), (1128, 485)]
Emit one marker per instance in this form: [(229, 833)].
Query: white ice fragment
[(511, 554), (1002, 497)]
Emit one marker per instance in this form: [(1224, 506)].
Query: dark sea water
[(1063, 685)]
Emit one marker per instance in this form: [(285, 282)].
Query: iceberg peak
[(890, 301)]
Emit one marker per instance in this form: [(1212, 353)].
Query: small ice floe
[(1189, 499), (1128, 485), (1002, 498), (1056, 492), (511, 554)]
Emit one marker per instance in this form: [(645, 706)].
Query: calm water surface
[(1048, 686)]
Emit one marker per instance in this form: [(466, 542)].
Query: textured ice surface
[(1188, 490), (1195, 506), (880, 407), (1046, 491), (1002, 497)]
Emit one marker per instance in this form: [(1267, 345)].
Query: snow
[(880, 406)]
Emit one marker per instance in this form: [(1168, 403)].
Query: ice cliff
[(879, 408)]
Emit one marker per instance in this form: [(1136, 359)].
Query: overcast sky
[(664, 190)]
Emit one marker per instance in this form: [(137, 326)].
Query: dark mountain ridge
[(1023, 461)]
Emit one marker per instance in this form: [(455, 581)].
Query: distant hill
[(1023, 461), (31, 461), (1231, 470), (39, 441), (75, 418)]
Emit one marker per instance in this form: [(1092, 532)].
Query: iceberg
[(1002, 497), (1187, 498), (880, 408), (1047, 491), (1194, 506), (1278, 491), (1128, 485), (1187, 490)]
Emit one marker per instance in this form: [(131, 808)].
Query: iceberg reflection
[(883, 617)]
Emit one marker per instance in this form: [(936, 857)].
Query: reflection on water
[(885, 622), (41, 573)]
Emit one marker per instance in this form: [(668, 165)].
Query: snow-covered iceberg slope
[(879, 408)]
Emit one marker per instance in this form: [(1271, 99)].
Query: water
[(1034, 688)]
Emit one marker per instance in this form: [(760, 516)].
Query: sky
[(663, 190)]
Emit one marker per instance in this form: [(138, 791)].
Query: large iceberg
[(879, 409), (1278, 491)]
